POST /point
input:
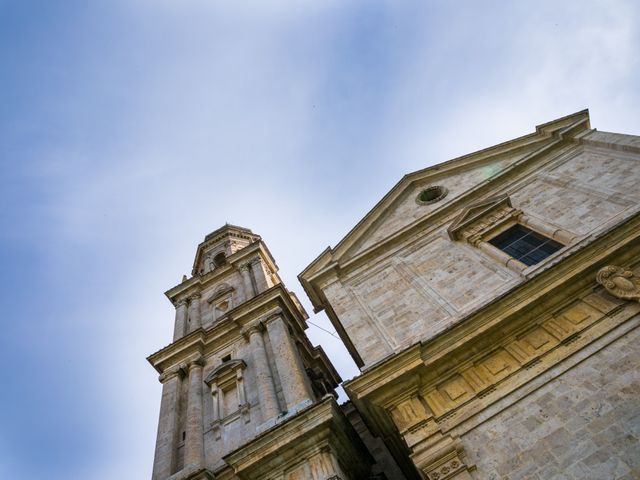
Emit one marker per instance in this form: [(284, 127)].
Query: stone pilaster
[(167, 425), (295, 384), (259, 275), (264, 379), (194, 441), (248, 281), (180, 328), (194, 312)]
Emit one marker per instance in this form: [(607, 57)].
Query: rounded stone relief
[(619, 282), (431, 194)]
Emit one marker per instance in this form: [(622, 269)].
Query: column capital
[(251, 328), (169, 373), (180, 303), (276, 314), (198, 362), (195, 296)]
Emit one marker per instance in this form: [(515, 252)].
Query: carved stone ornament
[(479, 218), (447, 470), (619, 282)]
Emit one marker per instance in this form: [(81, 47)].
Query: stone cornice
[(445, 213), (230, 367), (227, 231), (387, 370), (557, 130), (572, 274), (317, 427), (199, 282), (274, 299), (333, 260)]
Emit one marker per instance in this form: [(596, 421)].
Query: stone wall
[(582, 424), (236, 426), (415, 290), (219, 298), (406, 210)]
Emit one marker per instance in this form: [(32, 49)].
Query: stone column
[(194, 312), (249, 285), (167, 436), (180, 328), (194, 441), (293, 378), (266, 388)]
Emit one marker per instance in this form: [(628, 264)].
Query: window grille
[(525, 245)]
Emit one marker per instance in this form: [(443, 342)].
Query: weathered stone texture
[(583, 192), (405, 209), (583, 424), (213, 306), (236, 427), (418, 294), (613, 140), (430, 282)]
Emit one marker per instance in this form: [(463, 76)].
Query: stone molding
[(169, 374), (228, 232), (620, 282), (222, 378), (227, 369), (443, 459), (221, 291), (430, 389), (200, 474), (276, 314), (201, 341), (318, 435), (198, 362), (477, 219), (250, 329)]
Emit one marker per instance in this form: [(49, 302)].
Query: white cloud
[(225, 111)]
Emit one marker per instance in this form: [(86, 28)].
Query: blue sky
[(130, 129)]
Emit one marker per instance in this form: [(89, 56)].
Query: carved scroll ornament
[(619, 282)]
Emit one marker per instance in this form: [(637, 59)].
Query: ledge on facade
[(199, 474), (322, 424)]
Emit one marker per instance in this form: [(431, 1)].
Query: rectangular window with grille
[(525, 245)]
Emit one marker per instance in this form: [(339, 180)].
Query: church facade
[(491, 302)]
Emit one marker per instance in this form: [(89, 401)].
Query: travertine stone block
[(195, 321), (585, 423), (295, 384), (264, 379), (167, 424), (180, 326), (194, 443)]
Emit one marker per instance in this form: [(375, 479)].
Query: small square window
[(525, 245)]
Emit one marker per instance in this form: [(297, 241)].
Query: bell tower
[(241, 370)]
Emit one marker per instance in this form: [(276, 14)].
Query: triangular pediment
[(476, 211), (401, 209)]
